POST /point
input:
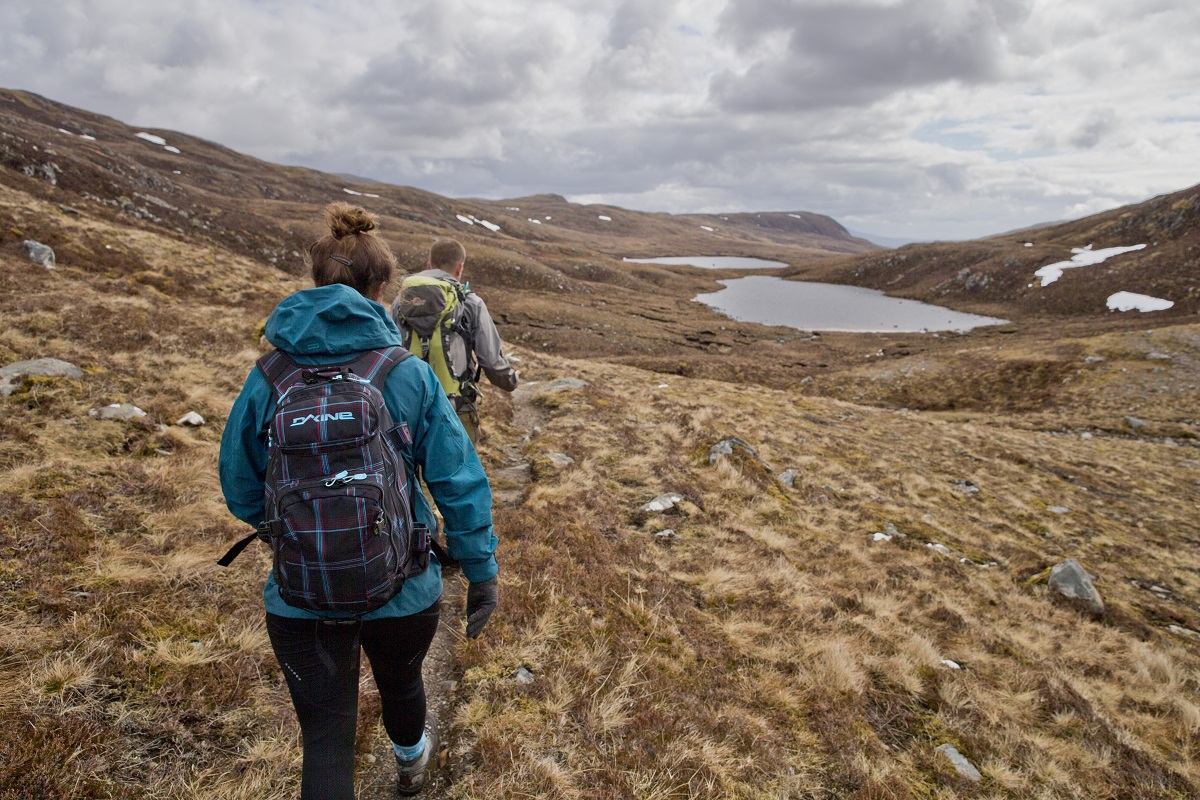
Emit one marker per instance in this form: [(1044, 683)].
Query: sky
[(921, 119)]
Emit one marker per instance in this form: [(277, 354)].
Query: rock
[(968, 488), (888, 533), (950, 664), (1136, 423), (560, 459), (1159, 356), (960, 762), (39, 253), (1058, 509), (725, 447), (939, 548), (1179, 630), (41, 367), (563, 383), (666, 535), (788, 478), (523, 675), (1093, 359), (1070, 579), (118, 411), (664, 502), (191, 418), (663, 386)]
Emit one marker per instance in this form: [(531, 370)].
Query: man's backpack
[(339, 514), (430, 310)]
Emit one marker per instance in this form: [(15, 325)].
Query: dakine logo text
[(322, 418)]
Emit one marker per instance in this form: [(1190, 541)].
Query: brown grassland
[(767, 647)]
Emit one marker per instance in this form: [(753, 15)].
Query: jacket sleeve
[(486, 344), (449, 465), (243, 459)]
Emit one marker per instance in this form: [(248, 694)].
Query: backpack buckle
[(270, 529)]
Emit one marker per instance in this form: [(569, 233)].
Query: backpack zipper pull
[(345, 477)]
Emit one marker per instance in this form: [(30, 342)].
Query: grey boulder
[(39, 253), (40, 367), (1071, 580)]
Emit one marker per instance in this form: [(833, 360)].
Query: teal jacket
[(332, 323)]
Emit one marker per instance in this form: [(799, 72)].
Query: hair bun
[(344, 219)]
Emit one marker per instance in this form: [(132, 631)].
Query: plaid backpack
[(339, 514)]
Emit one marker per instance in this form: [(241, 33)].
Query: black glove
[(481, 602)]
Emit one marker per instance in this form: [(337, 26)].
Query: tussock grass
[(770, 648)]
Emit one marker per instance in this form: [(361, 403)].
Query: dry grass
[(768, 648)]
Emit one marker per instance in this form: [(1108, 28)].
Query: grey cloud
[(856, 53), (1093, 130)]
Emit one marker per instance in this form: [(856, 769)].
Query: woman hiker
[(318, 650)]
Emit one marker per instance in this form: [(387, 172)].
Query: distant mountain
[(883, 241)]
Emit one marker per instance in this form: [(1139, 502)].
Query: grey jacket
[(484, 347)]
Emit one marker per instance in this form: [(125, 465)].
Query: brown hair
[(351, 254), (446, 254)]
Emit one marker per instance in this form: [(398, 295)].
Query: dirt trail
[(376, 772)]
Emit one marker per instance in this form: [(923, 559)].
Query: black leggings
[(320, 660)]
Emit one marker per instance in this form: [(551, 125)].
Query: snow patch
[(535, 221), (170, 149), (1084, 257), (491, 226), (150, 137), (85, 136), (351, 191), (705, 227), (1029, 244), (511, 208), (467, 220), (1128, 301), (606, 219)]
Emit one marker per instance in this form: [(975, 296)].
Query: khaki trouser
[(469, 416)]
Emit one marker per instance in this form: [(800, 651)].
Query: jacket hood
[(332, 320)]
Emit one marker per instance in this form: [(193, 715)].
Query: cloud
[(913, 117), (822, 54)]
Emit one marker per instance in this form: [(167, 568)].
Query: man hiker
[(446, 324)]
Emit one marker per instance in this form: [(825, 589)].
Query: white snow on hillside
[(606, 219), (705, 227), (150, 137), (535, 221), (170, 149), (1084, 257), (474, 220), (1128, 301)]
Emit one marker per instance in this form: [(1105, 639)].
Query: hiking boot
[(412, 773)]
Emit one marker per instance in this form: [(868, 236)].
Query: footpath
[(376, 770)]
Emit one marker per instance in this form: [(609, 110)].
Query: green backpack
[(429, 310)]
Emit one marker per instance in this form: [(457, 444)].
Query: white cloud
[(916, 118)]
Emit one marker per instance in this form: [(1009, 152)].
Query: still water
[(833, 307), (713, 262)]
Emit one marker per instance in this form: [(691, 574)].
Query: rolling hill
[(847, 571)]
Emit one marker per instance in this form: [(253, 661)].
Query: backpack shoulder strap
[(279, 369), (376, 365)]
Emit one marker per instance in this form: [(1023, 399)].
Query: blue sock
[(412, 751)]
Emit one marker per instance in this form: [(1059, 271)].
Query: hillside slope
[(763, 637)]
